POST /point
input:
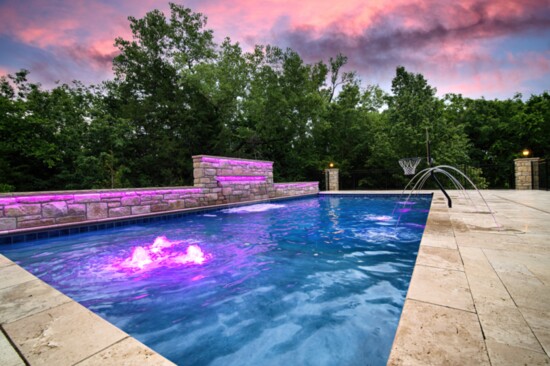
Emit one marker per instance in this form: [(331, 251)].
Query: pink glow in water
[(163, 252), (194, 254), (139, 259), (160, 244)]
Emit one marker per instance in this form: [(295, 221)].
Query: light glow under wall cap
[(241, 178)]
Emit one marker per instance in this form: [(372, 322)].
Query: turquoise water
[(314, 281)]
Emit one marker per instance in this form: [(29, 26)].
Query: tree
[(413, 111), (42, 133), (171, 117)]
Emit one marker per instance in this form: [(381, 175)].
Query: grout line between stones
[(514, 301), (101, 350), (14, 346)]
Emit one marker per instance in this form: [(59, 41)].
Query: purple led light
[(162, 253), (241, 178), (296, 185), (112, 195), (168, 191), (90, 197), (7, 201), (238, 162)]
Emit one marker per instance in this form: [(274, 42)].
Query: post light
[(526, 153), (331, 165)]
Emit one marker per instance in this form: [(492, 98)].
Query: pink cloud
[(83, 30), (3, 71), (504, 79), (446, 40)]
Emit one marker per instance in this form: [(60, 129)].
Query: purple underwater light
[(162, 253)]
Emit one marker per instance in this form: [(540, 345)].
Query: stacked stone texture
[(34, 210), (295, 189), (206, 170), (243, 180), (524, 173)]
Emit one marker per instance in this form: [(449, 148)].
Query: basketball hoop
[(409, 165)]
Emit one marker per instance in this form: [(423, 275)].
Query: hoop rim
[(409, 164)]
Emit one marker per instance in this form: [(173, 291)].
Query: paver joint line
[(13, 345)]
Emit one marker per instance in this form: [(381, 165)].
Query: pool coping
[(450, 316)]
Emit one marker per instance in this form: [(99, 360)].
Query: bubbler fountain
[(419, 179)]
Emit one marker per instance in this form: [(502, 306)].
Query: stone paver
[(12, 275), (441, 286), (439, 257), (127, 352), (539, 321), (28, 298), (504, 354), (8, 356), (436, 335), (507, 271), (5, 261), (56, 336), (48, 328)]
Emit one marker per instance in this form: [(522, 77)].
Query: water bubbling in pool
[(162, 252), (254, 208)]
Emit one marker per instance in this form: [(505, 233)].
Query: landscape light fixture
[(526, 153), (331, 165)]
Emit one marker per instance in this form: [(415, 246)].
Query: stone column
[(524, 173), (331, 176)]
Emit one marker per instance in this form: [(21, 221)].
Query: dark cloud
[(387, 42), (90, 56)]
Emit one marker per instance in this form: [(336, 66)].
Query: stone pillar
[(524, 173), (331, 176)]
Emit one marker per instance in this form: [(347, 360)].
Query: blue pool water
[(313, 281)]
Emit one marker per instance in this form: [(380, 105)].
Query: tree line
[(176, 94)]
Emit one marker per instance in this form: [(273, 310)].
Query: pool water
[(312, 281)]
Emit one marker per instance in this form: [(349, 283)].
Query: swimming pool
[(317, 281)]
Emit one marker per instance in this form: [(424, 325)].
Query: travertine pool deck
[(478, 296)]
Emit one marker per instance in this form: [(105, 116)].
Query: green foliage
[(177, 94), (415, 113)]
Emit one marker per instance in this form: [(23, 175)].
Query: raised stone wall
[(45, 209), (524, 173), (230, 180), (218, 180)]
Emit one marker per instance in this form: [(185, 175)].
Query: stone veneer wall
[(217, 180), (524, 173), (233, 180), (332, 177)]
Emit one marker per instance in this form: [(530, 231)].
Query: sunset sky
[(490, 48)]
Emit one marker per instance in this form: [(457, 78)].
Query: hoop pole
[(432, 174)]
